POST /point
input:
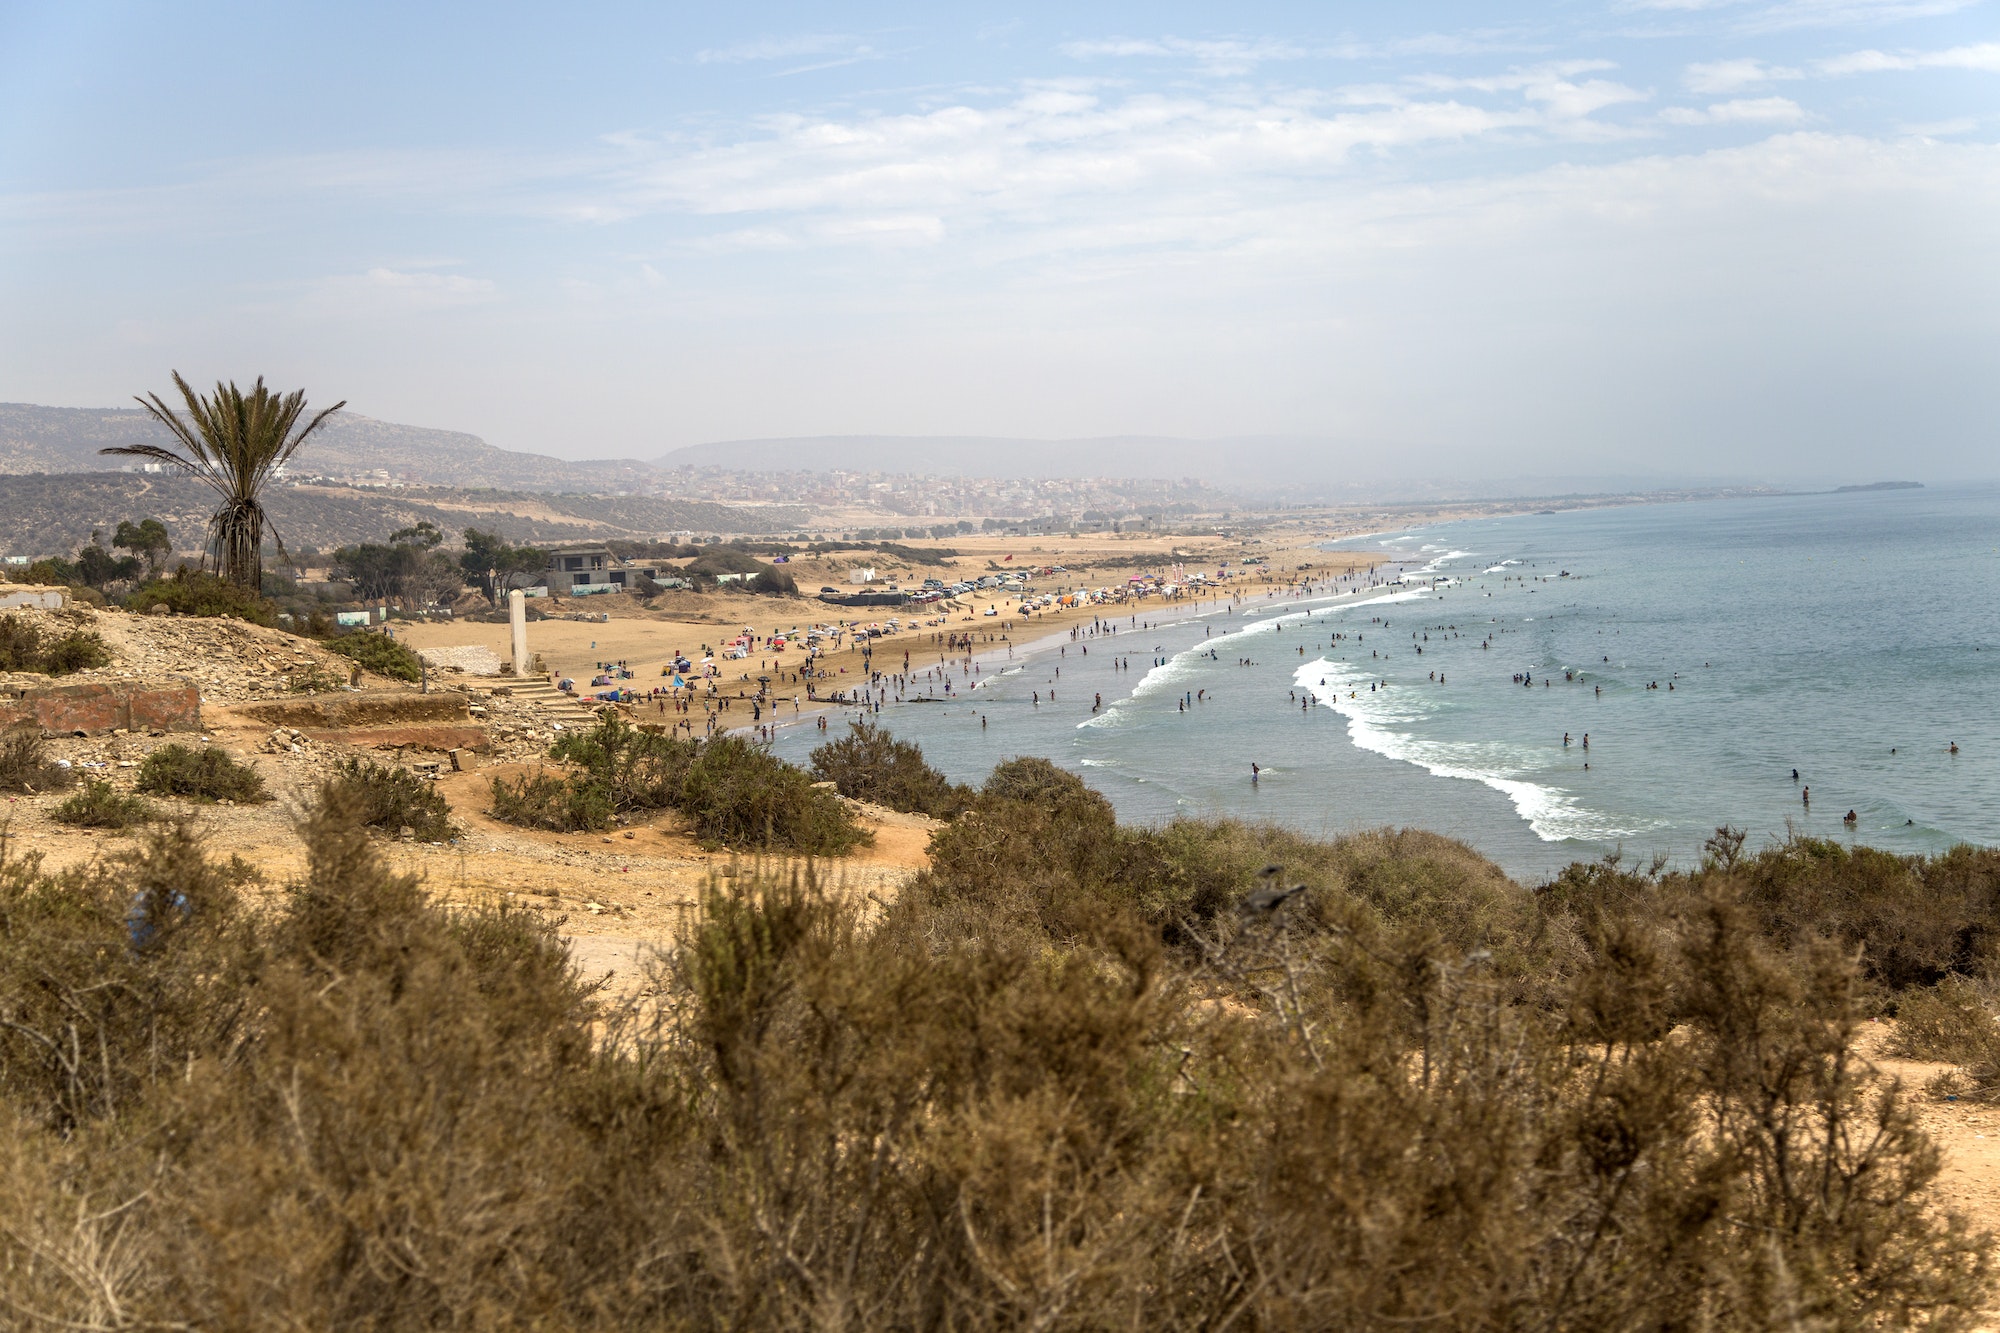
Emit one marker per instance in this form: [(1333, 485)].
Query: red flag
[(1010, 557)]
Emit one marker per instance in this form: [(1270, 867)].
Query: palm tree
[(232, 443)]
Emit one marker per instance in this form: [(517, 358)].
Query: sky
[(1738, 239)]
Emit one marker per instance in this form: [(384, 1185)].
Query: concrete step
[(563, 707)]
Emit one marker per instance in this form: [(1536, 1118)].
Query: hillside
[(1134, 456), (67, 439), (54, 514)]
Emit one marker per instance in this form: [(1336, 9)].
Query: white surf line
[(1552, 813), (1171, 669)]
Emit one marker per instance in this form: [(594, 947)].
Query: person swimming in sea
[(1850, 819)]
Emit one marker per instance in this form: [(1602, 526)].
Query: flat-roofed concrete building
[(582, 570)]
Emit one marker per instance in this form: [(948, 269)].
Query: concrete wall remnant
[(100, 708), (13, 597)]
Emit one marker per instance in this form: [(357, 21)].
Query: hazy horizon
[(1673, 238)]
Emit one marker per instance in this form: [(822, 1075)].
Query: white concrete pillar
[(517, 621)]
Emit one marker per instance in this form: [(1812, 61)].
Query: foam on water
[(1780, 662), (1186, 666), (1386, 721)]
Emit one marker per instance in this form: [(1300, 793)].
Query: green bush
[(637, 769), (378, 653), (25, 765), (868, 764), (193, 592), (391, 799), (731, 793), (574, 804), (205, 774), (25, 646), (100, 805), (739, 795)]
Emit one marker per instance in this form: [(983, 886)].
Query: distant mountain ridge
[(54, 514), (1284, 469), (1152, 457), (34, 438)]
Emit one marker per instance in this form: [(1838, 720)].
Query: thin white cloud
[(1238, 55), (1553, 85), (1941, 129), (1750, 17), (1739, 111), (1049, 147), (1729, 76), (1221, 56), (386, 291), (783, 48), (1984, 57), (1848, 13)]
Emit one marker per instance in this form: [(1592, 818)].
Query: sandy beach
[(646, 638)]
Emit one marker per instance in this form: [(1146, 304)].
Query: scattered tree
[(492, 566), (146, 539)]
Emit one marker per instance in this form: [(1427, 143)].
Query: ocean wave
[(1377, 722), (1183, 668)]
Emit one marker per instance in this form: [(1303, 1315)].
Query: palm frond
[(234, 443)]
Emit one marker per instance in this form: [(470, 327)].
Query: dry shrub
[(100, 805), (24, 646), (731, 792), (868, 764), (394, 799), (378, 653), (1919, 918), (638, 770), (573, 804), (361, 1109), (25, 765), (193, 592), (204, 774), (738, 794), (1952, 1022)]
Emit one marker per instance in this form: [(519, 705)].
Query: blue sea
[(1708, 650)]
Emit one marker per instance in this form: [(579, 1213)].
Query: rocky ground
[(616, 894)]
